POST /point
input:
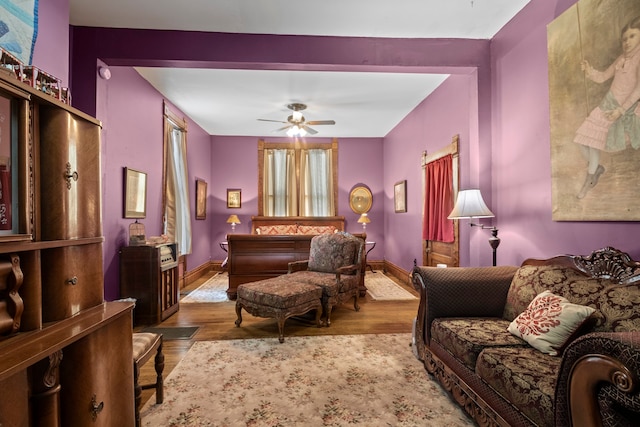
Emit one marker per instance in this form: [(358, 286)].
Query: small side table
[(373, 245), (225, 247)]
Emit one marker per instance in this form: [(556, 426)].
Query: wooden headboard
[(259, 221)]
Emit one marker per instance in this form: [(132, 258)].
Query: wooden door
[(442, 253)]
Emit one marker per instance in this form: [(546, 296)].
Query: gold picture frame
[(360, 199), (135, 194), (234, 198), (400, 196), (201, 199)]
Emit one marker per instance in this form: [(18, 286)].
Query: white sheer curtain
[(316, 183), (280, 186), (178, 211)]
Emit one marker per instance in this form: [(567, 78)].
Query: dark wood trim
[(193, 275), (399, 273)]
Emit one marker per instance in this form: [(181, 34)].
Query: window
[(297, 179), (177, 212)]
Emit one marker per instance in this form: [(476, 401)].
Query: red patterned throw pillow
[(549, 322)]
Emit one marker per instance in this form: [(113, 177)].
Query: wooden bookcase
[(65, 353)]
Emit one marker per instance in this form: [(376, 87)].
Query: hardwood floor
[(216, 322)]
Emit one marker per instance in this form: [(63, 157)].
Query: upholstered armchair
[(336, 265)]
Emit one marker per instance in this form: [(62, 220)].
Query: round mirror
[(360, 199)]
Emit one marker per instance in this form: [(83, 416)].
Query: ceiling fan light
[(301, 132), (292, 131), (297, 116)]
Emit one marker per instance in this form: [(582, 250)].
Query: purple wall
[(51, 52)]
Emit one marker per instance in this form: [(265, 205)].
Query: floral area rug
[(342, 380), (381, 288), (213, 290)]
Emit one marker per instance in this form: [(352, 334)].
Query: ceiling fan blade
[(282, 128), (321, 122), (309, 130), (267, 120)]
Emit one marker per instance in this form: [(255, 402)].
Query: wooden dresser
[(65, 354)]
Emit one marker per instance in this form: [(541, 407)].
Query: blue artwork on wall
[(19, 28)]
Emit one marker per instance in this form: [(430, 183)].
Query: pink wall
[(139, 47), (496, 99), (135, 141), (521, 154), (235, 165), (53, 32), (430, 126)]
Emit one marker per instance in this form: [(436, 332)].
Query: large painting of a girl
[(594, 75)]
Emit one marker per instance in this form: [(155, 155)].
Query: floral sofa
[(552, 343)]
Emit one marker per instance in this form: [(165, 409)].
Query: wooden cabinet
[(150, 275), (65, 353)]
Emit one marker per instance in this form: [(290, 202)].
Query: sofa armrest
[(598, 381), (460, 292), (298, 266)]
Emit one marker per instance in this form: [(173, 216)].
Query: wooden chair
[(145, 345)]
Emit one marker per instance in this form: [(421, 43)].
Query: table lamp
[(364, 220), (233, 220)]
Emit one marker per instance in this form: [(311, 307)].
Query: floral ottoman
[(279, 298)]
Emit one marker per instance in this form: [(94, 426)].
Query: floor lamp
[(470, 204)]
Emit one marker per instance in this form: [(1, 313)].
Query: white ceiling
[(229, 102)]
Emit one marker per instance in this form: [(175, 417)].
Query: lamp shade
[(364, 219), (470, 204), (233, 219)]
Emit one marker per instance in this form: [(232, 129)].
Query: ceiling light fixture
[(296, 130), (297, 116)]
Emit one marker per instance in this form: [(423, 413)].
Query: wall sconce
[(233, 220), (470, 204), (364, 220)]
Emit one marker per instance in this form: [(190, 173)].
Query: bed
[(274, 242)]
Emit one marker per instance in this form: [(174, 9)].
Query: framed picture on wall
[(400, 196), (234, 198), (595, 144), (135, 194), (201, 199)]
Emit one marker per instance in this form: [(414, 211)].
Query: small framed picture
[(400, 196), (201, 199), (234, 198), (135, 194)]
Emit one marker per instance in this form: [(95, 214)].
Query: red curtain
[(438, 200)]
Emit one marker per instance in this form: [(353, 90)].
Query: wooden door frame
[(430, 248)]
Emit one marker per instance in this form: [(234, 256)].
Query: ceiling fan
[(296, 123)]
